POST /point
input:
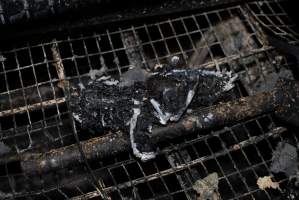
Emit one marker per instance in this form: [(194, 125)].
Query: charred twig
[(101, 147), (15, 103), (31, 107), (283, 101), (58, 64)]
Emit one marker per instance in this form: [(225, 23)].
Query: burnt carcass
[(140, 100)]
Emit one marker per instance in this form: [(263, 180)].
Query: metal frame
[(239, 154)]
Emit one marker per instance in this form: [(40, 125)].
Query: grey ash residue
[(152, 99), (103, 105), (207, 188), (285, 159)]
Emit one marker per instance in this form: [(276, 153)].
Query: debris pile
[(150, 98), (285, 160), (234, 37), (266, 182), (207, 188)]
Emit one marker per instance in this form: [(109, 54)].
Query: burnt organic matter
[(136, 105)]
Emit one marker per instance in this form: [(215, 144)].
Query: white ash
[(150, 128), (107, 100), (103, 121), (229, 83), (214, 73), (189, 111), (81, 86), (174, 60), (208, 117), (94, 73), (158, 66), (95, 114), (111, 82), (54, 162), (201, 71), (77, 117), (159, 113), (166, 90), (103, 78), (144, 156), (175, 71), (190, 96), (136, 102)]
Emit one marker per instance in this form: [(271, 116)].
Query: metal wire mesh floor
[(34, 115)]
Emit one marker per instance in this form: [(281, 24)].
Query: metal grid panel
[(36, 111), (272, 16)]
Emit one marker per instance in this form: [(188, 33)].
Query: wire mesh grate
[(34, 115)]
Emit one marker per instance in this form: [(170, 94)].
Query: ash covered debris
[(233, 35), (285, 160), (94, 73), (267, 182), (141, 99), (236, 39), (207, 188), (261, 76)]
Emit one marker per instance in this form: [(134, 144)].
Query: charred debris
[(152, 103), (141, 100), (283, 101)]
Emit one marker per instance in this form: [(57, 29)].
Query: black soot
[(141, 99)]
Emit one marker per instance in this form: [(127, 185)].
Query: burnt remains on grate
[(35, 118)]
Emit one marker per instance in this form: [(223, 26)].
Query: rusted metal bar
[(283, 100), (219, 115), (100, 147), (175, 169)]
